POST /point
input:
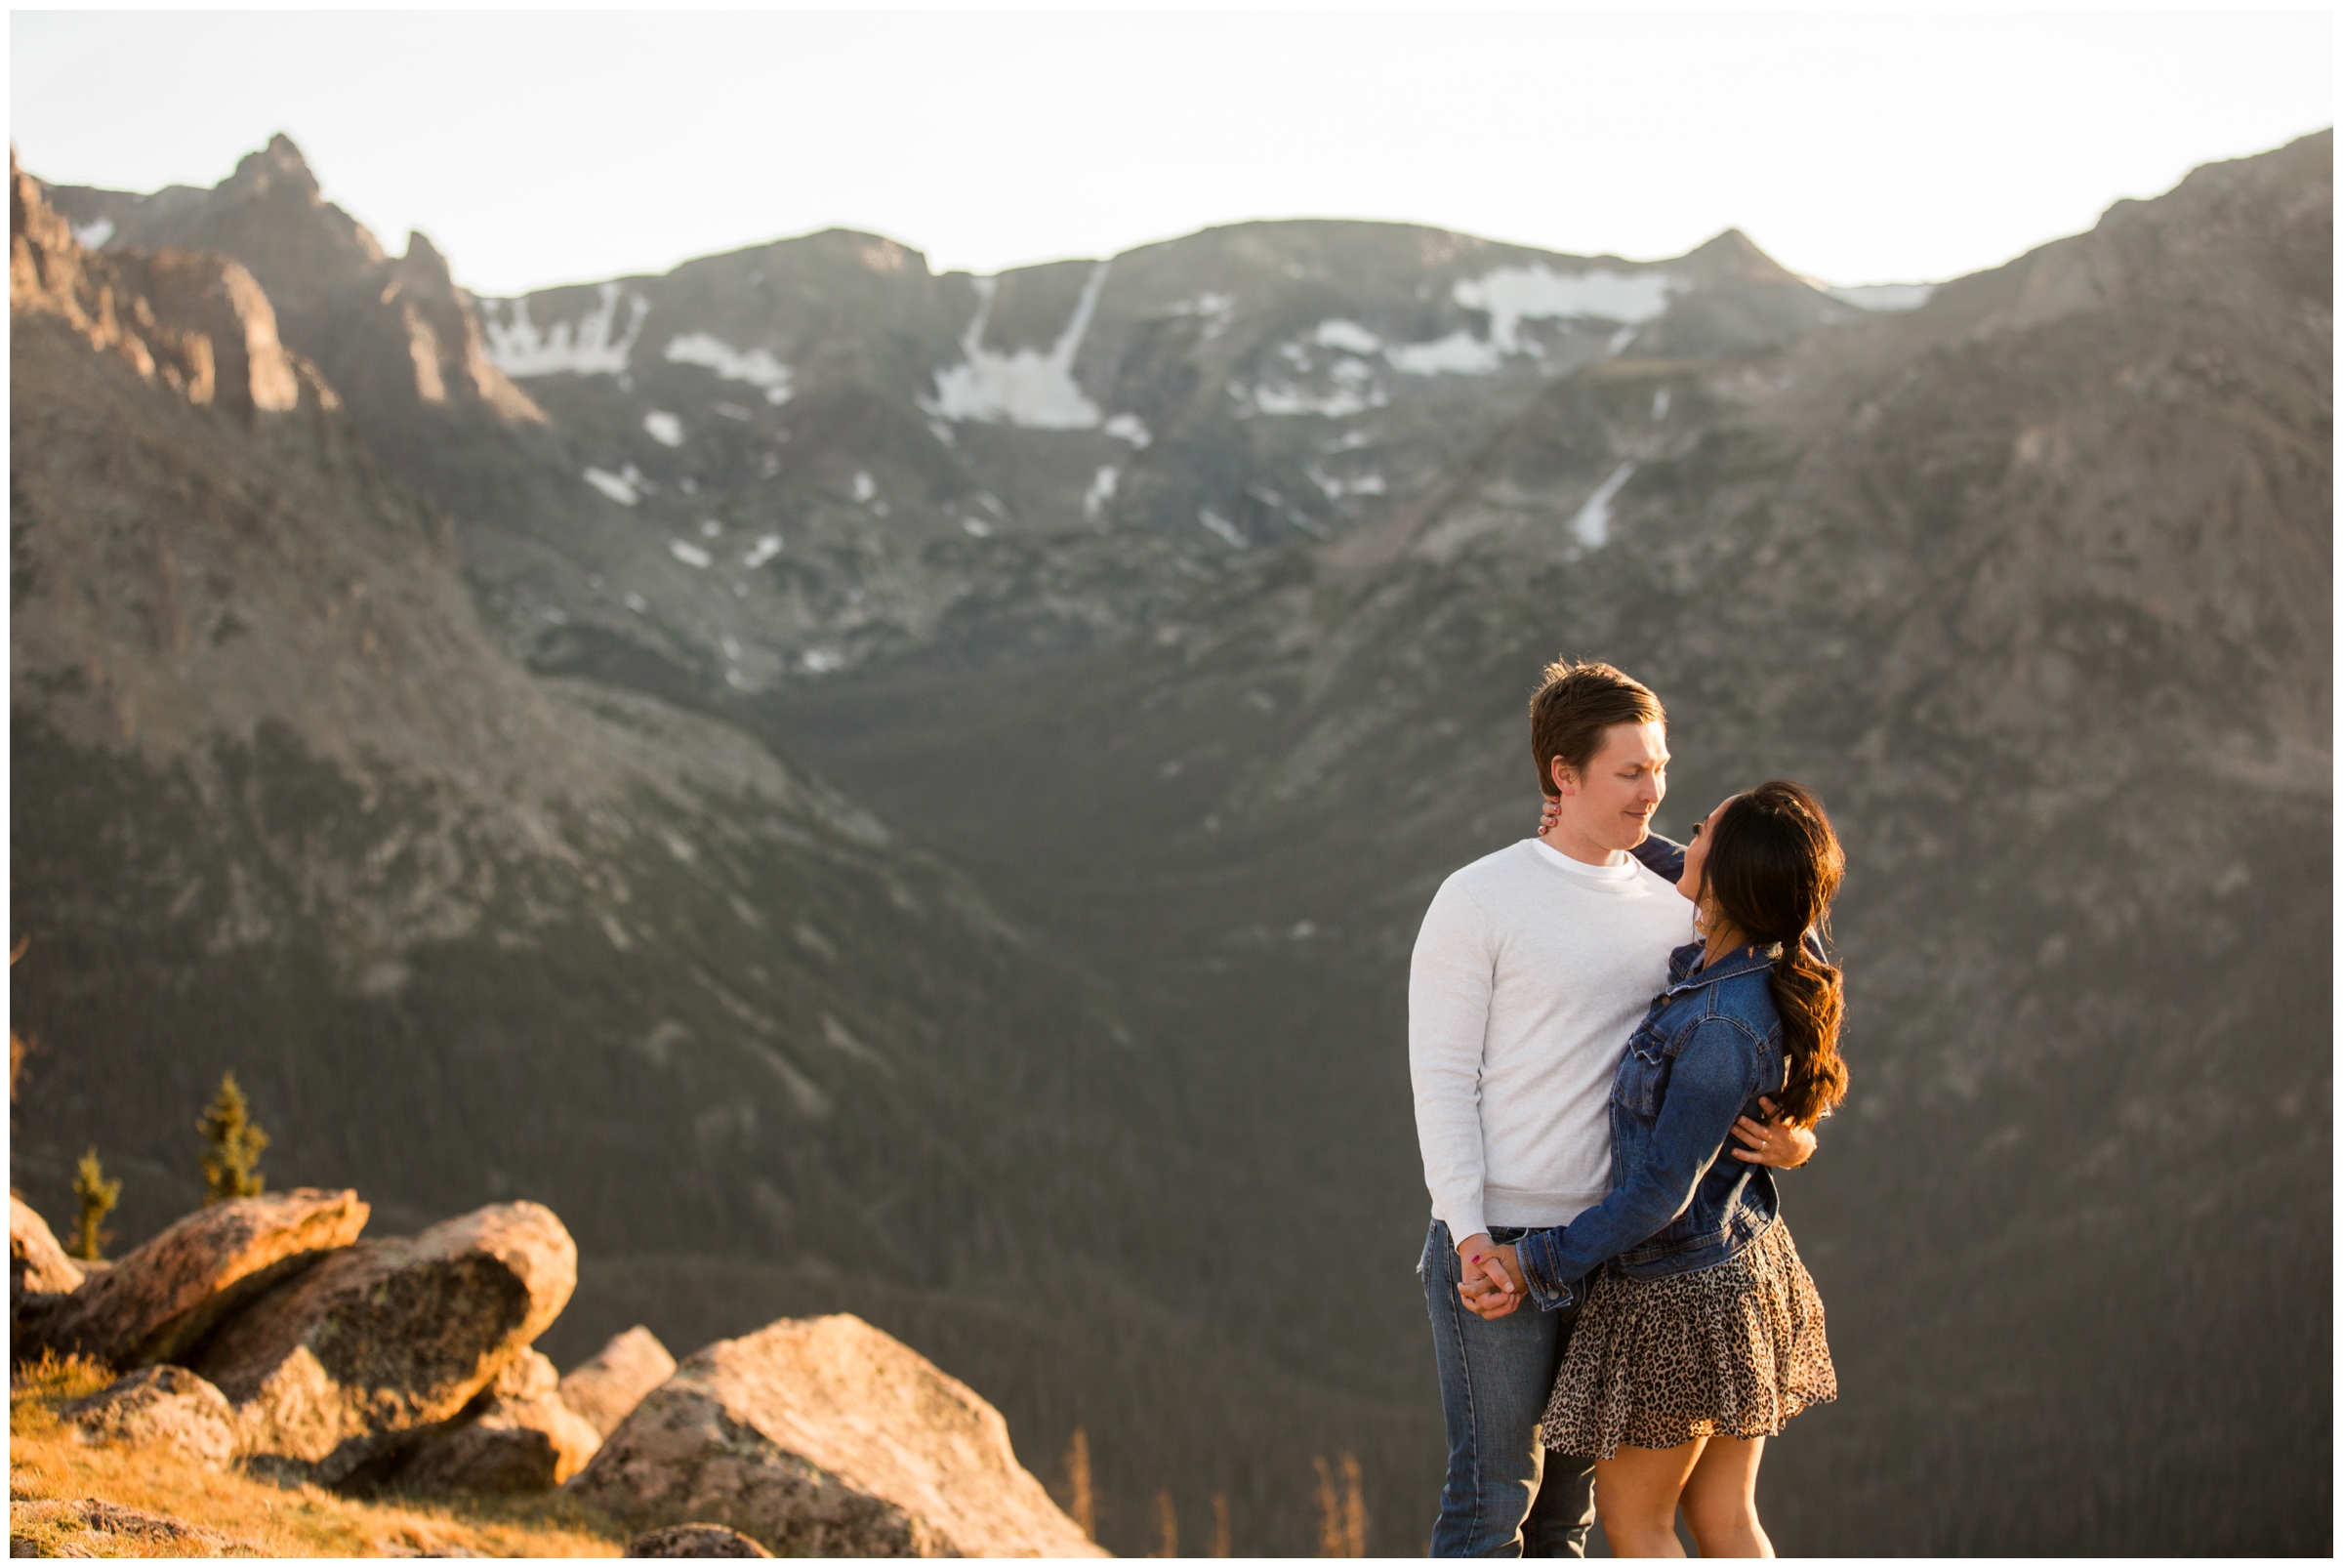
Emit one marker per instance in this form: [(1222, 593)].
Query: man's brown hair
[(1575, 706)]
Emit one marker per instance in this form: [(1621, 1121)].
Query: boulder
[(159, 1405), (354, 1360), (694, 1540), (36, 1264), (607, 1387), (516, 1436), (824, 1437), (161, 1298)]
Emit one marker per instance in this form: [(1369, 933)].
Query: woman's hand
[(1492, 1285), (1772, 1142)]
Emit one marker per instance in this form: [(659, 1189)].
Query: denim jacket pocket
[(1642, 1078)]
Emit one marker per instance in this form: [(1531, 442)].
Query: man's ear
[(1565, 782)]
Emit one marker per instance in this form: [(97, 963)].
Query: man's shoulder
[(1497, 869)]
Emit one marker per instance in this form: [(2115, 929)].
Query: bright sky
[(542, 147)]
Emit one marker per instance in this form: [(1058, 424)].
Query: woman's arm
[(1712, 1079)]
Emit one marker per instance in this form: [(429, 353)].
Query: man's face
[(1610, 805)]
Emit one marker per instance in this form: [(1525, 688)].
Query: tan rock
[(90, 1527), (694, 1540), (36, 1264), (824, 1437), (162, 1296), (516, 1436), (159, 1405), (607, 1387), (355, 1359)]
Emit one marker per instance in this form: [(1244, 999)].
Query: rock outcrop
[(197, 324), (90, 1527), (164, 1296), (516, 1436), (607, 1388), (159, 1405), (36, 1264), (352, 1362), (694, 1540), (825, 1437)]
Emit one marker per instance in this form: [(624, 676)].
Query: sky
[(539, 147)]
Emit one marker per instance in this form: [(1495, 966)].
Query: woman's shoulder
[(1746, 996)]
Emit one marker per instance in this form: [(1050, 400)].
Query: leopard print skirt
[(1735, 1349)]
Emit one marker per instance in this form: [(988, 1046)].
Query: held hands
[(1775, 1143), (1492, 1285)]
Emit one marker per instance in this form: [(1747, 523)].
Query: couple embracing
[(1612, 1039)]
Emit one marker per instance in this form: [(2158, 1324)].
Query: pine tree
[(1167, 1525), (98, 1197), (1330, 1512), (236, 1142), (1078, 1484), (1341, 1517), (1354, 1507)]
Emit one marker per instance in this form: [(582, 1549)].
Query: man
[(1532, 968)]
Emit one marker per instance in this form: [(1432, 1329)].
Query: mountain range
[(907, 792)]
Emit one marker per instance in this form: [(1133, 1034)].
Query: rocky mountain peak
[(278, 166), (1731, 257)]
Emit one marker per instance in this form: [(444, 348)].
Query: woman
[(1701, 1333)]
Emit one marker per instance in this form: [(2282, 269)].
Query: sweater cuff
[(1537, 1252), (1466, 1223)]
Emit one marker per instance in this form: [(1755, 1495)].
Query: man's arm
[(1449, 984)]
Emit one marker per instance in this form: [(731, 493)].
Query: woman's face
[(1696, 854)]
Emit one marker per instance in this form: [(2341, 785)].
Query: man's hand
[(1487, 1288), (1772, 1142), (1492, 1285)]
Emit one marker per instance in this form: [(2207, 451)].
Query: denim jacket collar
[(1683, 977)]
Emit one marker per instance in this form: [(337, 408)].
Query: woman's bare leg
[(1721, 1500), (1635, 1495)]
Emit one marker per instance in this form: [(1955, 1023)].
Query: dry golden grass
[(48, 1460)]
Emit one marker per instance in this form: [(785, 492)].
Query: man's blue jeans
[(1505, 1496)]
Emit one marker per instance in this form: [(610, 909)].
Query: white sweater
[(1530, 972)]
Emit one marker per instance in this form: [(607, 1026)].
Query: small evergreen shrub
[(235, 1140)]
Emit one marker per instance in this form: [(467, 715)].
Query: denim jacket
[(1710, 1044)]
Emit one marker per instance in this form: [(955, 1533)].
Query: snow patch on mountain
[(664, 427), (615, 486), (1128, 427), (1036, 390), (1100, 492), (1348, 336), (767, 545), (1336, 488), (1592, 525), (1883, 296), (1459, 353), (93, 237), (756, 367), (591, 346), (690, 555), (1221, 526), (1512, 295)]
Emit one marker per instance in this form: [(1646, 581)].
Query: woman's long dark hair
[(1772, 869)]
